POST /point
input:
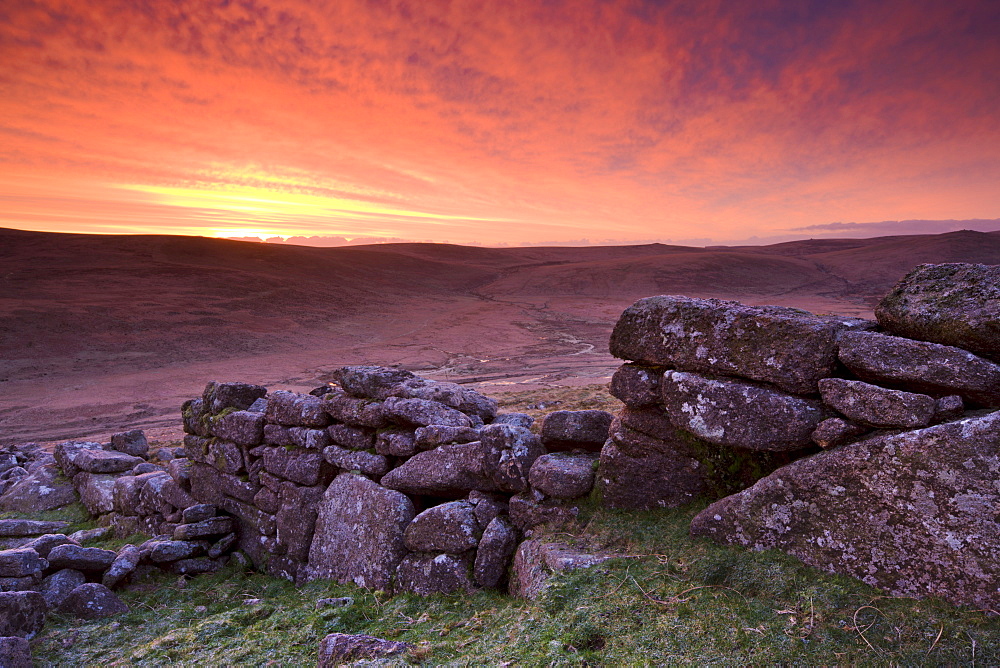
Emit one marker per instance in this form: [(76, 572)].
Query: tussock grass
[(668, 599)]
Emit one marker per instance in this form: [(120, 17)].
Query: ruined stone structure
[(721, 396)]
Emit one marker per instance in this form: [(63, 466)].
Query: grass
[(668, 599)]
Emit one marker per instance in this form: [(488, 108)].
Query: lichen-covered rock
[(426, 574), (514, 419), (494, 553), (786, 347), (215, 526), (876, 406), (563, 475), (304, 467), (449, 527), (487, 505), (368, 381), (195, 566), (954, 304), (530, 509), (421, 412), (452, 395), (175, 550), (535, 561), (80, 558), (15, 652), (508, 453), (150, 487), (913, 513), (921, 367), (449, 471), (198, 513), (217, 397), (193, 413), (22, 613), (947, 408), (647, 478), (65, 453), (244, 428), (568, 430), (296, 437), (104, 461), (636, 385), (338, 648), (131, 442), (44, 544), (296, 410), (96, 492), (437, 434), (359, 532), (225, 456), (355, 438), (296, 518), (56, 587), (352, 410), (833, 432), (92, 601), (42, 489), (396, 443), (370, 464), (122, 567), (21, 527), (86, 535), (21, 563), (180, 471), (739, 414)]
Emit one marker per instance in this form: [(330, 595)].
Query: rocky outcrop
[(951, 304), (913, 513)]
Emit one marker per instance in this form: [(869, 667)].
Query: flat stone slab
[(919, 366), (913, 513), (739, 414), (789, 348), (31, 527), (104, 461), (954, 304), (876, 406)]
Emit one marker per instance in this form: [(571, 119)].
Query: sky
[(502, 122)]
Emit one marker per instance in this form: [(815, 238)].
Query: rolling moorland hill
[(117, 330)]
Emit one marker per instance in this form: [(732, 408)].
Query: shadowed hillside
[(116, 329)]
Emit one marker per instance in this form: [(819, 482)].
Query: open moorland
[(100, 333)]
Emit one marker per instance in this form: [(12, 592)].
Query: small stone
[(221, 546), (338, 602), (876, 406), (144, 467), (123, 566), (130, 442), (17, 527), (81, 558), (566, 430), (198, 566), (434, 435), (355, 438), (427, 574), (564, 475), (21, 563), (636, 386), (44, 544), (199, 513), (86, 535), (175, 550), (449, 527), (92, 601), (948, 408), (338, 648), (494, 553), (834, 432), (56, 587), (244, 428), (216, 526), (396, 443)]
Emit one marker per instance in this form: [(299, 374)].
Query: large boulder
[(563, 475), (876, 406), (423, 412), (359, 532), (787, 347), (92, 600), (43, 488), (21, 563), (131, 443), (244, 428), (919, 366), (953, 304), (913, 513), (104, 461), (96, 492), (739, 414), (81, 558)]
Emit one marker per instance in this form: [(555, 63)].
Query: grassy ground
[(669, 599)]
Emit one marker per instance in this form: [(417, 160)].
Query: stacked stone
[(30, 480), (719, 394), (910, 507), (387, 480)]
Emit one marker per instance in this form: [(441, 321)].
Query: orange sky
[(497, 121)]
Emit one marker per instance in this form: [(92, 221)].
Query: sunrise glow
[(498, 122)]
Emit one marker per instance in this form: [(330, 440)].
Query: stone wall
[(385, 479), (720, 395)]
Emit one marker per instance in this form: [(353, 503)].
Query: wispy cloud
[(518, 121)]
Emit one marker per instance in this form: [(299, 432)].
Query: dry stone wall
[(385, 479), (722, 397)]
